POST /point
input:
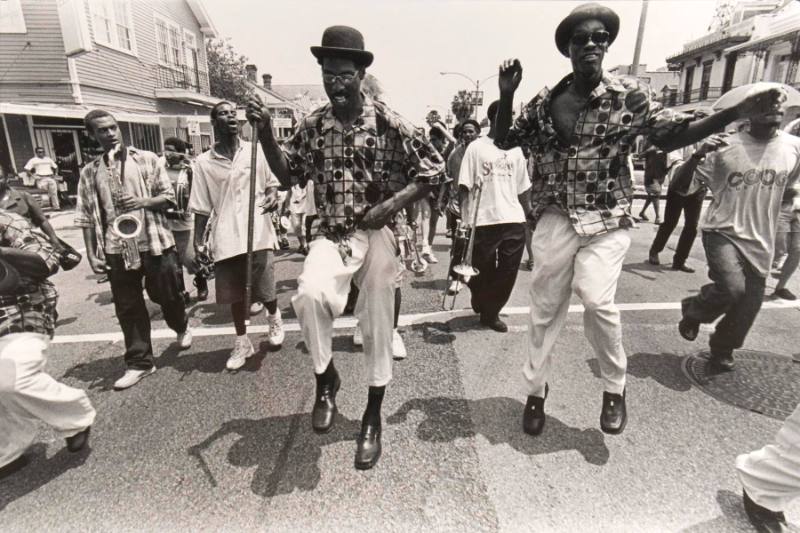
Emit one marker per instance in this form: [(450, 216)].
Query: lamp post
[(476, 96)]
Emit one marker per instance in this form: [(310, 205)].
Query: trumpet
[(406, 235), (461, 253)]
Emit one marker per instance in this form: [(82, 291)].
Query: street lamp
[(476, 96)]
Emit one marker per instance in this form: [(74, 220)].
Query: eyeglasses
[(345, 77), (599, 37)]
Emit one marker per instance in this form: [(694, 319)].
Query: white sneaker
[(185, 339), (454, 287), (398, 346), (358, 337), (241, 351), (427, 255), (256, 307), (275, 334), (132, 377)]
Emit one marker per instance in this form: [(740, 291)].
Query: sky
[(413, 40)]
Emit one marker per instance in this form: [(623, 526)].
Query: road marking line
[(405, 320)]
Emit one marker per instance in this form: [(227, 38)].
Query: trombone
[(463, 268)]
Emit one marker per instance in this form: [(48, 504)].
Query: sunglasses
[(345, 77), (599, 37)]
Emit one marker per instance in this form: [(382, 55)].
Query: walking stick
[(250, 223)]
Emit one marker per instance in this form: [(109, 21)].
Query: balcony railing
[(704, 93), (182, 77)]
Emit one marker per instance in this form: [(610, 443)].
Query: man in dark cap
[(579, 136), (367, 164)]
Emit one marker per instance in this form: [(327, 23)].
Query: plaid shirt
[(156, 180), (360, 166), (589, 178), (33, 307)]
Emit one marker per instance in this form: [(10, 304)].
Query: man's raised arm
[(509, 79), (258, 114)]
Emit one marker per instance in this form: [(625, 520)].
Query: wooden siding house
[(142, 60)]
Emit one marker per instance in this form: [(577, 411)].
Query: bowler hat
[(9, 278), (343, 41), (591, 11)]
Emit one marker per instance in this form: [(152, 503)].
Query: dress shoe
[(614, 416), (688, 328), (324, 411), (643, 216), (494, 322), (475, 306), (721, 361), (784, 294), (76, 442), (533, 418), (653, 259), (368, 446), (683, 268), (764, 520)]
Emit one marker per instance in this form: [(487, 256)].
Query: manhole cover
[(762, 382)]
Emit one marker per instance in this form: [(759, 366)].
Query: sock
[(239, 316), (397, 299), (372, 413), (272, 306)]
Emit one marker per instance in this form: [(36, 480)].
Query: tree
[(462, 106), (226, 73)]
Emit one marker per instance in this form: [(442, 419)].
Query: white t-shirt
[(504, 175), (748, 179), (302, 202), (41, 166)]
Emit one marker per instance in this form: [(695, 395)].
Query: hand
[(98, 265), (270, 200), (712, 144), (530, 220), (130, 203), (379, 215), (761, 101), (510, 76), (258, 113)]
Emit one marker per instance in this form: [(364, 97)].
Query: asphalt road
[(197, 448)]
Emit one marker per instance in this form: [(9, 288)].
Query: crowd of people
[(356, 179)]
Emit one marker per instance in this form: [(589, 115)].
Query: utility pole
[(639, 38)]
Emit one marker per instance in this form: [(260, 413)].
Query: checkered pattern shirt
[(33, 308), (360, 166), (156, 180), (589, 177)]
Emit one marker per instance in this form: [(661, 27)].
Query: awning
[(79, 111), (765, 41)]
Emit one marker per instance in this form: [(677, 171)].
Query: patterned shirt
[(89, 213), (589, 177), (357, 167)]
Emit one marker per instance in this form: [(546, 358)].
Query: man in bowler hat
[(367, 164), (579, 136)]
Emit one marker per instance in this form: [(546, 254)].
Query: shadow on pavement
[(664, 368), (643, 270), (34, 470), (100, 298), (284, 450), (733, 516), (499, 421)]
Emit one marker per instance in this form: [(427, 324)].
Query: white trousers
[(322, 295), (771, 475), (590, 266), (28, 395), (49, 185)]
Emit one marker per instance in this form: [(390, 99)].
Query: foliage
[(226, 73), (462, 106), (433, 117)]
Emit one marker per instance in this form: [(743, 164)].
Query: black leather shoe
[(324, 412), (683, 268), (494, 323), (653, 259), (721, 361), (764, 520), (368, 446), (533, 418), (614, 416), (77, 442), (688, 328)]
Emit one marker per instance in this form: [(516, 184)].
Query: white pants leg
[(554, 244), (322, 295), (771, 475), (49, 185), (598, 265), (28, 395)]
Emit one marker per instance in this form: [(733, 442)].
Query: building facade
[(143, 61)]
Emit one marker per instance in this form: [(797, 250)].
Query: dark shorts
[(231, 276)]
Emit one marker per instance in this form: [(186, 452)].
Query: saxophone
[(125, 226)]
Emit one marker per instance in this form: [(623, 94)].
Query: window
[(169, 43), (11, 18), (111, 20)]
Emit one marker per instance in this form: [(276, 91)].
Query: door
[(67, 156), (687, 86), (705, 79), (730, 67)]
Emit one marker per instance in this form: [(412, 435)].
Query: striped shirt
[(155, 180)]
